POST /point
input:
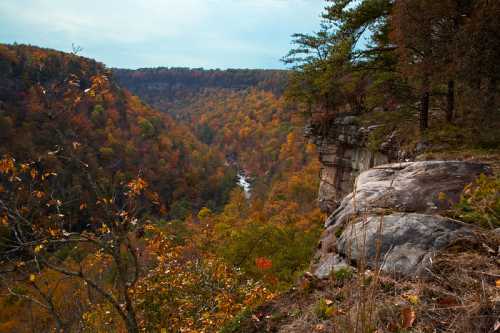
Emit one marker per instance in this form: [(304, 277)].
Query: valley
[(354, 190)]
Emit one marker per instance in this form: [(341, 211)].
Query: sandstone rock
[(424, 187), (343, 155), (405, 201), (401, 243)]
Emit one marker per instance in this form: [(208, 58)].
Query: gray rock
[(400, 243), (408, 187), (331, 263), (406, 200)]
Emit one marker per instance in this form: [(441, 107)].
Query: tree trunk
[(131, 324), (491, 90), (424, 111), (123, 287), (450, 108)]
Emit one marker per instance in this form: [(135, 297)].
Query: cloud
[(137, 33)]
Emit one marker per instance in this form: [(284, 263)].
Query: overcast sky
[(147, 33)]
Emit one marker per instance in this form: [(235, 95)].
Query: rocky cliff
[(343, 154), (390, 215), (394, 217), (390, 257)]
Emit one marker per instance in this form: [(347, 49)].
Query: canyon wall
[(343, 154)]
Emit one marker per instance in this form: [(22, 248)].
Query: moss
[(339, 232)]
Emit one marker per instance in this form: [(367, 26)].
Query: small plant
[(480, 203), (235, 324), (343, 274), (324, 309)]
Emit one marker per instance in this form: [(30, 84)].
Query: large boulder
[(393, 220)]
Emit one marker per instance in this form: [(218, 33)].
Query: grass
[(457, 295)]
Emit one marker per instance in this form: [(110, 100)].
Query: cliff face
[(343, 155), (358, 184)]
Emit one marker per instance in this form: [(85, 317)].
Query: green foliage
[(323, 309), (147, 128), (98, 115), (480, 203), (106, 151), (180, 209), (234, 325), (343, 274)]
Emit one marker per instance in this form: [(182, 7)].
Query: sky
[(171, 33)]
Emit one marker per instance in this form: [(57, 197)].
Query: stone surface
[(399, 243), (424, 187), (330, 263), (343, 156), (392, 218)]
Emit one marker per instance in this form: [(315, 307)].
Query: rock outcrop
[(343, 155), (393, 218)]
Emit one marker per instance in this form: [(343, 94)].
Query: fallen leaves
[(408, 317)]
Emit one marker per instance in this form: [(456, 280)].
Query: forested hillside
[(70, 106), (88, 169), (166, 88), (244, 115), (85, 168)]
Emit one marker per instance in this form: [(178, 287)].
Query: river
[(244, 183)]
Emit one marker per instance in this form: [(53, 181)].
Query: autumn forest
[(122, 205)]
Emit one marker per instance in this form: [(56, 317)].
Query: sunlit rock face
[(393, 219)]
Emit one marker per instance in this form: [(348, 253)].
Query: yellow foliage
[(7, 165)]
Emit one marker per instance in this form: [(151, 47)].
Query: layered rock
[(393, 218), (343, 155)]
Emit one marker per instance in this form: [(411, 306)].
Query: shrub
[(324, 309), (480, 203)]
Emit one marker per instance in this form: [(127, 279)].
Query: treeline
[(435, 61), (167, 87)]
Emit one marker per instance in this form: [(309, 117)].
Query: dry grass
[(458, 294)]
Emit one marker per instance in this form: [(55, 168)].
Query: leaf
[(319, 328), (38, 248), (38, 194), (413, 299), (32, 277), (448, 301), (409, 317)]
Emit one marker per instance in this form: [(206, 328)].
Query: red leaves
[(136, 186), (263, 263), (408, 317)]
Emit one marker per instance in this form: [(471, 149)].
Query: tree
[(351, 43), (39, 223)]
